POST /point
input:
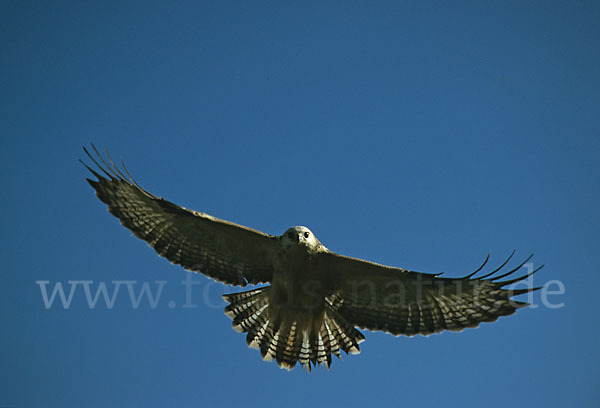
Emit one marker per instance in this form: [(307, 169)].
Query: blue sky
[(414, 134)]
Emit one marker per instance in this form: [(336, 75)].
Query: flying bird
[(316, 298)]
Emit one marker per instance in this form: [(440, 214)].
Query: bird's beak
[(299, 237)]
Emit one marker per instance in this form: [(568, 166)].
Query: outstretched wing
[(223, 250), (399, 301)]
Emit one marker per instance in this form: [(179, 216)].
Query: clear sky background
[(416, 134)]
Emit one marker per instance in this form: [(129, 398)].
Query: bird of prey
[(316, 298)]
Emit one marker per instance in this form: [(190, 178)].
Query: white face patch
[(299, 236)]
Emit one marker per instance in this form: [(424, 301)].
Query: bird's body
[(297, 284), (316, 297), (291, 320)]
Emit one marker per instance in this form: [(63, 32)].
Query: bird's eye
[(306, 235)]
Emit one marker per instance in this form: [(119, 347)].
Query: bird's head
[(300, 236)]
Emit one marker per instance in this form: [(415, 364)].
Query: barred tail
[(293, 338)]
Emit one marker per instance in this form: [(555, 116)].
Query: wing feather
[(220, 249), (399, 301)]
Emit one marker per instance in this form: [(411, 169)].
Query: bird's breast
[(296, 283)]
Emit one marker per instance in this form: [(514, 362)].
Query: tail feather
[(256, 334), (268, 348), (285, 353), (331, 340), (345, 334), (291, 339), (246, 308), (304, 354)]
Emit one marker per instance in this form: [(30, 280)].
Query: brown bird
[(316, 297)]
